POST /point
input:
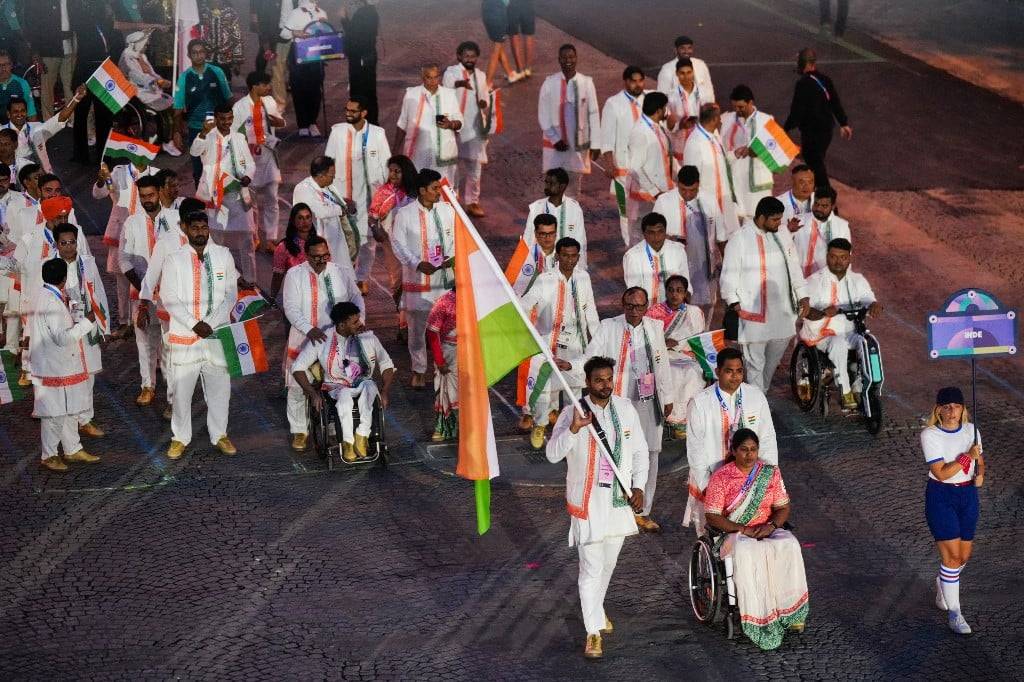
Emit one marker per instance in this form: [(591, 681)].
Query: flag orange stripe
[(122, 83), (125, 139), (515, 266), (259, 353), (785, 143)]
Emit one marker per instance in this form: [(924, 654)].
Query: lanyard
[(729, 427), (657, 264), (561, 216), (56, 292), (828, 97), (789, 278)]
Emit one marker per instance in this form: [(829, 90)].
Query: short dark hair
[(841, 243), (47, 178), (559, 174), (343, 310), (148, 181), (363, 103), (652, 219), (64, 228), (631, 290), (683, 40), (769, 206), (544, 219), (257, 78), (741, 436), (708, 112), (826, 192), (597, 362), (320, 164), (426, 176), (800, 168), (680, 278), (726, 355), (688, 175), (742, 93), (630, 71), (566, 46), (165, 174), (315, 240), (225, 107), (189, 205), (196, 41), (196, 216), (5, 171), (654, 101), (16, 99), (55, 271), (27, 170), (567, 243), (685, 61), (467, 45), (9, 133)]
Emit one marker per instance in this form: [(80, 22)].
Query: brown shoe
[(81, 456), (526, 423), (419, 380), (475, 211), (54, 463), (175, 450), (90, 429), (23, 380), (226, 446), (647, 524), (145, 396), (593, 648), (299, 442)]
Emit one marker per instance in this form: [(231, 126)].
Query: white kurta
[(360, 166), (621, 111), (710, 426), (569, 219), (36, 247), (60, 373), (168, 243), (752, 179), (701, 227), (420, 235), (32, 139), (644, 267), (705, 152), (568, 111), (793, 206), (667, 78), (761, 273), (472, 136), (565, 314), (824, 289), (649, 161), (124, 197), (427, 145), (85, 286), (811, 240), (330, 210), (589, 495), (683, 105), (225, 154), (263, 151)]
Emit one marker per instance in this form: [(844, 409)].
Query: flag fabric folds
[(109, 85), (705, 349), (9, 388), (772, 145), (250, 305), (243, 348), (522, 269), (124, 147)]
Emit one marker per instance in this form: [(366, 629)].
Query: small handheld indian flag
[(705, 349), (124, 147), (109, 86), (522, 268), (243, 348), (772, 145), (536, 380), (250, 305), (9, 388), (620, 201)]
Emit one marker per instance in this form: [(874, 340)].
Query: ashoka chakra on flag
[(242, 348)]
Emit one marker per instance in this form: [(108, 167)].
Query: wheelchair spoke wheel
[(704, 586), (805, 376), (874, 422), (318, 430)]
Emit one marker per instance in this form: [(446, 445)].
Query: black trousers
[(842, 12), (80, 135), (813, 145), (362, 82), (307, 91)]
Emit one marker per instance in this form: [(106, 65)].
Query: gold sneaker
[(437, 437), (226, 446), (54, 463), (608, 627), (849, 401), (797, 628), (90, 429), (593, 647), (647, 524), (362, 446), (537, 437), (175, 450), (348, 453), (145, 396), (299, 442), (81, 456), (803, 390)]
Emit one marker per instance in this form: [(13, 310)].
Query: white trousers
[(449, 173), (838, 350), (13, 325), (59, 431), (295, 409), (216, 391), (761, 359), (86, 416), (363, 396), (268, 212), (242, 248), (417, 320), (149, 343), (653, 433), (470, 171), (597, 563), (365, 258)]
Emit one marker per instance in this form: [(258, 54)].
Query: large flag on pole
[(493, 337)]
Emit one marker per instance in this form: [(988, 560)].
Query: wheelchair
[(712, 595), (325, 429), (811, 370)]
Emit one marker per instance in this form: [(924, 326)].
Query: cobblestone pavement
[(268, 566)]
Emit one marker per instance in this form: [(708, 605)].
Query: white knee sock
[(949, 580)]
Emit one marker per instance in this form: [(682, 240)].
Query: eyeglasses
[(545, 234), (634, 306)]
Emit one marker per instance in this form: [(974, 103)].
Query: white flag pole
[(177, 48), (544, 349)]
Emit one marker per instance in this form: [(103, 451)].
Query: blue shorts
[(952, 511)]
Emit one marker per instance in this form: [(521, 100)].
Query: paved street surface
[(268, 566)]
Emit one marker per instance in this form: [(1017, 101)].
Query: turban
[(55, 206)]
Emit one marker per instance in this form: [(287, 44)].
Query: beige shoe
[(348, 452), (90, 429), (299, 442), (537, 437), (54, 463), (437, 437), (526, 423), (797, 628), (23, 379), (362, 446), (175, 450), (475, 211), (849, 401), (145, 396), (81, 456), (593, 647), (364, 288), (226, 446), (647, 524), (608, 627)]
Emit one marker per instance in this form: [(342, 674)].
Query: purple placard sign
[(318, 48), (973, 324)]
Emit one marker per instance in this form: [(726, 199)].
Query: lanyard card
[(645, 386), (437, 256)]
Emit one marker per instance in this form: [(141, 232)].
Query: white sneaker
[(958, 625), (940, 601), (171, 149), (313, 130), (515, 77), (303, 132)]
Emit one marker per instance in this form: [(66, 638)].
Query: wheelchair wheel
[(318, 430), (874, 422), (805, 376), (706, 583)]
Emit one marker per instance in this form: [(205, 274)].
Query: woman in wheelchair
[(348, 357), (747, 500)]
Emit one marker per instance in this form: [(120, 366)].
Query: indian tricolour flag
[(534, 380), (110, 86), (620, 201), (9, 388), (250, 305), (138, 152), (772, 145), (522, 268), (493, 337), (705, 349), (243, 348)]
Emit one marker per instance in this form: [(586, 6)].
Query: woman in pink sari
[(747, 499)]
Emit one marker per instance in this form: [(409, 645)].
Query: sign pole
[(974, 395)]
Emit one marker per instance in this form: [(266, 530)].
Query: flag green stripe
[(757, 146), (115, 153), (697, 346), (102, 95), (482, 493), (227, 342), (11, 372), (543, 374), (252, 309), (620, 198), (505, 342)]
